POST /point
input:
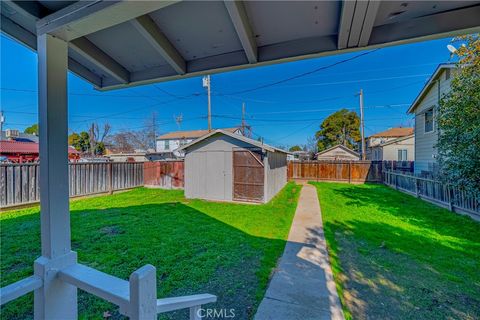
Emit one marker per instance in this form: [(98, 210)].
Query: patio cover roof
[(114, 44)]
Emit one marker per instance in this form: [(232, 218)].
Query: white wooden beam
[(92, 53), (346, 17), (357, 23), (143, 294), (150, 31), (85, 17), (55, 299), (368, 22), (19, 288), (238, 15)]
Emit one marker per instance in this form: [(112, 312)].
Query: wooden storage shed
[(225, 166)]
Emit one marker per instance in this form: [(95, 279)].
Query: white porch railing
[(136, 297)]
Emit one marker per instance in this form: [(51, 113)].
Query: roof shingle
[(394, 132)]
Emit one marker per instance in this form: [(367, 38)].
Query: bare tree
[(311, 146), (145, 139), (97, 137), (120, 142)]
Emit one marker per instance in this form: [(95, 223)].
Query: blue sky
[(285, 114)]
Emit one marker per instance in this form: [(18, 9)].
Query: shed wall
[(208, 168), (275, 173)]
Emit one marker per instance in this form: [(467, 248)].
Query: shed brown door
[(248, 176)]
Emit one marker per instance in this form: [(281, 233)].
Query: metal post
[(55, 299), (362, 125)]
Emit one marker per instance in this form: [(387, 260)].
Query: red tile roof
[(8, 146), (394, 132)]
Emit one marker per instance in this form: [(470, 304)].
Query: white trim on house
[(429, 84)]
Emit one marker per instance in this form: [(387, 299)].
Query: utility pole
[(362, 124), (2, 120), (154, 130), (246, 129), (206, 84), (243, 118)]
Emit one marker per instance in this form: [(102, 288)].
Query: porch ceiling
[(114, 44)]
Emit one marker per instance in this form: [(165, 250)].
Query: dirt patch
[(111, 230)]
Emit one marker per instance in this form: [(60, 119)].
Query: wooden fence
[(164, 174), (19, 182), (341, 171), (444, 195)]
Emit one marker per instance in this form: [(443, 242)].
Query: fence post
[(416, 187), (349, 171), (450, 198), (110, 178)]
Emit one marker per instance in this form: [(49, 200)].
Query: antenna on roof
[(178, 120)]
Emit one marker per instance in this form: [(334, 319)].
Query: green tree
[(341, 127), (458, 120), (33, 129), (295, 148), (80, 142)]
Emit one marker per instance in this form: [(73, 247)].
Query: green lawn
[(398, 257), (197, 246)]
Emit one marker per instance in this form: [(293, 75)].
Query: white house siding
[(390, 151), (275, 173), (173, 144), (425, 151), (372, 143)]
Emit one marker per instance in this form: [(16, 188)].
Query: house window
[(402, 155), (447, 74), (429, 120), (167, 144)]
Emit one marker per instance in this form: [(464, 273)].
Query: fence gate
[(248, 176)]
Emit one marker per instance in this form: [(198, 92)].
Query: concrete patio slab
[(302, 287)]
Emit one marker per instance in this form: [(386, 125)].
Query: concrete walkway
[(302, 287)]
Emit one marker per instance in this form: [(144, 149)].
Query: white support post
[(195, 313), (55, 299), (143, 294)]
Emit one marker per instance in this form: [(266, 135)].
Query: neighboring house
[(21, 152), (226, 166), (338, 152), (135, 156), (374, 141), (16, 135), (299, 156), (399, 149), (168, 143), (425, 108)]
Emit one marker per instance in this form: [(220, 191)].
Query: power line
[(355, 81), (304, 74)]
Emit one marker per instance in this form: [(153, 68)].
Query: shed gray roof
[(239, 137), (115, 44)]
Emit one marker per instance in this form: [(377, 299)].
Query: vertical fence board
[(19, 183)]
